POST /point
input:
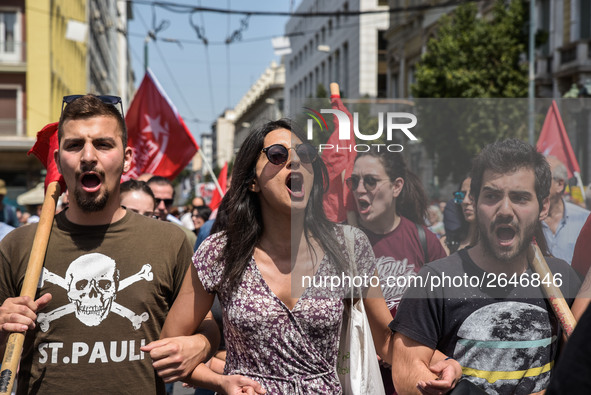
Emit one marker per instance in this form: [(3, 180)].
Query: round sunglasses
[(278, 154), (369, 182)]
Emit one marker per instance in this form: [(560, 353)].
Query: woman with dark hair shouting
[(281, 331), (391, 210)]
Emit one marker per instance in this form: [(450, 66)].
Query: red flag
[(216, 200), (338, 159), (161, 142), (554, 141), (43, 149)]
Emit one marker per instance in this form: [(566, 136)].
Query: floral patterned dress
[(287, 351)]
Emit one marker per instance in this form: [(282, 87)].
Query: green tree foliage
[(472, 57)]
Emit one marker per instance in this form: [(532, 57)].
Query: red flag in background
[(216, 200), (554, 141), (43, 149), (161, 142), (338, 159)]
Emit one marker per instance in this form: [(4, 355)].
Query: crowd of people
[(133, 298)]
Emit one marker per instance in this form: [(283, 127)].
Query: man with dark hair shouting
[(484, 306), (110, 275)]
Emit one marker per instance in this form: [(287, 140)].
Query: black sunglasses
[(459, 197), (167, 202), (278, 154), (107, 99), (369, 182)]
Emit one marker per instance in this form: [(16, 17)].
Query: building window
[(345, 85), (382, 78), (382, 45), (9, 36), (544, 24), (317, 76), (585, 8), (382, 85), (11, 117), (337, 65), (410, 80), (394, 85)]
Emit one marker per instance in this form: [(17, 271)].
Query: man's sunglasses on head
[(107, 99)]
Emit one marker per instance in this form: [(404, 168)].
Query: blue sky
[(199, 80)]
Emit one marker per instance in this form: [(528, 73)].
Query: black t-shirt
[(502, 333)]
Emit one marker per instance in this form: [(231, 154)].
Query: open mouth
[(295, 185), (363, 206), (91, 182), (505, 234)]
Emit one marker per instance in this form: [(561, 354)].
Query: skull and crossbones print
[(92, 282)]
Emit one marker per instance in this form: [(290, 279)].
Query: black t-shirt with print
[(504, 335)]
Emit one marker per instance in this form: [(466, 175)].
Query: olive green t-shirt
[(112, 287)]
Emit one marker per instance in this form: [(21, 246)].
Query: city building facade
[(347, 49), (263, 102), (564, 59), (222, 139), (49, 49)]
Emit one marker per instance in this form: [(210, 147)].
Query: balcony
[(12, 127), (573, 58), (12, 53), (568, 55)]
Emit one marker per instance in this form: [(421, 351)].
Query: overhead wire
[(207, 63), (263, 38), (165, 63), (236, 36), (176, 85), (137, 57), (228, 73), (183, 8)]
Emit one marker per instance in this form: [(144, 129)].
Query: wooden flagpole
[(14, 344)]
